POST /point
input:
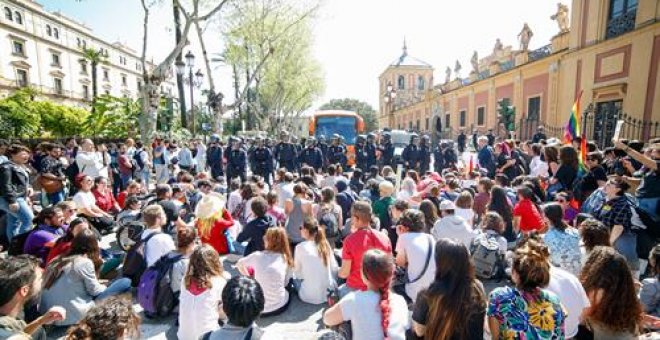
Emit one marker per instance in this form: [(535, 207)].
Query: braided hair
[(378, 268)]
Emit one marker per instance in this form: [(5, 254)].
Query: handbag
[(50, 185), (401, 277)]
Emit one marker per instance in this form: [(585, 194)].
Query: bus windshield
[(342, 125)]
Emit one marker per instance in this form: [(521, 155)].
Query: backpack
[(238, 214), (135, 262), (488, 261), (329, 221), (646, 227), (154, 292), (137, 157)]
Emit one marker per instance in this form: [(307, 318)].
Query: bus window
[(343, 125)]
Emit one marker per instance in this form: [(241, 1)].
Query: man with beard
[(20, 286), (214, 157)]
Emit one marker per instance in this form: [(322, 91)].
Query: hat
[(447, 205), (209, 205)]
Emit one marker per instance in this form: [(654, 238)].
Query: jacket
[(14, 182)]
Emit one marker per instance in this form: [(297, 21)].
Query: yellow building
[(610, 53)]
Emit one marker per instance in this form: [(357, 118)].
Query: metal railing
[(621, 24)]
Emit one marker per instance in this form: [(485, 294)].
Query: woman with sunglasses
[(86, 203), (616, 214)]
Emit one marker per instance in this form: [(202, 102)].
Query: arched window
[(401, 83), (49, 32), (56, 33), (421, 83), (8, 14), (19, 18)]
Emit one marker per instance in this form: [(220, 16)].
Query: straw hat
[(209, 205)]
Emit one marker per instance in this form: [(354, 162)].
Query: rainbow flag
[(572, 130)]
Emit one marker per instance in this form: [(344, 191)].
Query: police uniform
[(386, 154), (214, 160), (236, 164), (411, 157), (424, 158), (370, 153), (286, 155), (263, 162), (313, 157)]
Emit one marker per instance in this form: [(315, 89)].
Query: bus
[(347, 124)]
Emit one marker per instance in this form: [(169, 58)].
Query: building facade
[(45, 51), (610, 54)]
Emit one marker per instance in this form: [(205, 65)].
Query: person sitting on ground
[(63, 244), (69, 209), (185, 244), (86, 203), (170, 206), (482, 198), (526, 310), (381, 207), (254, 231), (430, 211), (454, 305), (593, 233), (103, 195), (408, 189), (200, 299), (464, 209), (615, 312), (42, 238), (328, 205), (114, 318), (315, 264), (374, 313), (361, 239), (569, 212), (271, 268), (526, 215), (242, 301), (297, 209), (450, 190), (159, 244), (492, 226), (452, 226), (356, 182), (71, 280), (213, 222), (132, 189), (414, 253), (345, 197), (131, 211), (562, 240), (20, 286), (274, 210), (649, 295)]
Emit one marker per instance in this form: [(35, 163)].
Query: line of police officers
[(263, 156)]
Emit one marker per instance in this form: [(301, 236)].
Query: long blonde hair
[(205, 225)]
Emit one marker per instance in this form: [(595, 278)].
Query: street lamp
[(390, 95), (193, 80)]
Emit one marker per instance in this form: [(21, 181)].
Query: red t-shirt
[(530, 217), (104, 200), (59, 249), (355, 245), (216, 237)]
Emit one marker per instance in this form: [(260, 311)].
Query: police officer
[(386, 150), (370, 150), (438, 158), (236, 161), (251, 146), (360, 152), (323, 146), (410, 155), (336, 153), (539, 135), (285, 152), (461, 141), (424, 154), (312, 155), (263, 160), (491, 138), (299, 148), (451, 158), (214, 157)]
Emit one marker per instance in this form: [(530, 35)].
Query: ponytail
[(378, 269), (322, 246), (385, 308)]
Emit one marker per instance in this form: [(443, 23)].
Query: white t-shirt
[(315, 275), (571, 295), (455, 227), (362, 309), (416, 248), (467, 214), (537, 167), (198, 314), (272, 273), (157, 246), (284, 192), (84, 199), (328, 181), (90, 163)]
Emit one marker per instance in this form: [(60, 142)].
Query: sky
[(355, 40)]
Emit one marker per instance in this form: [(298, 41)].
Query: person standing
[(199, 153), (214, 156), (263, 160), (15, 191), (236, 161), (52, 171), (89, 162), (411, 154), (160, 161), (387, 150), (485, 156), (336, 152), (460, 141), (142, 164), (125, 166), (312, 156), (186, 161), (424, 154), (370, 150), (539, 135)]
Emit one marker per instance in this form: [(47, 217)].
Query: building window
[(421, 84), (426, 124), (49, 31), (21, 78), (8, 15), (85, 92), (56, 33), (462, 117), (55, 58), (401, 83), (410, 125), (139, 85), (19, 18), (106, 75), (123, 80), (481, 116), (417, 125), (621, 17), (84, 44), (534, 108), (78, 42), (107, 92), (18, 48), (57, 84), (83, 66), (447, 121)]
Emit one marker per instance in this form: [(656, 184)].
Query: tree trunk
[(179, 78), (95, 89)]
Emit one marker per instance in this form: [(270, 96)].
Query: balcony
[(621, 24)]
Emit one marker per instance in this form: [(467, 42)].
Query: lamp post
[(193, 81), (390, 95)]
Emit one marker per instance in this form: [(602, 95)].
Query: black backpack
[(135, 262), (329, 221), (137, 158)]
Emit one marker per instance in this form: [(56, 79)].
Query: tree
[(95, 57), (363, 109), (113, 117), (18, 118), (60, 120)]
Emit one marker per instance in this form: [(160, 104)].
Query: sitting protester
[(452, 226), (562, 240), (649, 295), (213, 221), (113, 318), (526, 215), (42, 239), (86, 203), (185, 244), (71, 281), (315, 264), (103, 195), (254, 231), (414, 254)]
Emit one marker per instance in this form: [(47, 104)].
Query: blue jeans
[(56, 197), (117, 287), (125, 178), (145, 175), (650, 205), (20, 221)]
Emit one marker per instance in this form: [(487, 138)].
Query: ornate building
[(44, 50), (610, 52)]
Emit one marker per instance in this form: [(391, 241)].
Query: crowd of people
[(519, 241)]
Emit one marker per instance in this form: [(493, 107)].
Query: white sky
[(355, 40)]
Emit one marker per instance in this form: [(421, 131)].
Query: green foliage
[(271, 41), (113, 117), (363, 109), (507, 114), (18, 117), (60, 120)]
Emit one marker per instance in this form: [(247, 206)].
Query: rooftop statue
[(525, 36), (498, 46), (457, 69), (475, 62), (447, 74), (561, 17)]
